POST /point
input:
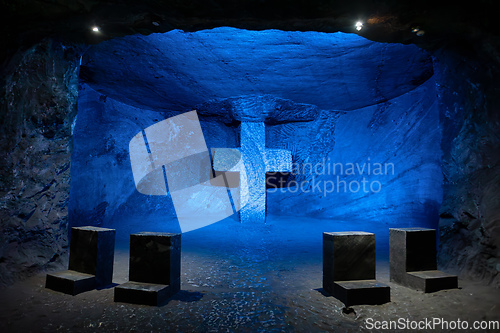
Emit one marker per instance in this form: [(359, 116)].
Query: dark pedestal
[(413, 260), (349, 268), (155, 269), (90, 261)]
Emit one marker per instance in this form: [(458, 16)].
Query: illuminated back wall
[(370, 152)]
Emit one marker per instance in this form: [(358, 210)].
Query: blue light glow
[(374, 104)]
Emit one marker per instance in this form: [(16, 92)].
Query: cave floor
[(237, 279)]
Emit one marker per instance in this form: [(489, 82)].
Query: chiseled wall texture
[(38, 104), (387, 154), (469, 105), (387, 89), (102, 186)]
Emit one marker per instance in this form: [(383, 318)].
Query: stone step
[(431, 281), (70, 282), (91, 259), (143, 293), (361, 292)]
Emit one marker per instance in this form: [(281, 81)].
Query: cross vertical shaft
[(253, 146)]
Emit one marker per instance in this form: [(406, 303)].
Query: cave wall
[(385, 89), (103, 191), (469, 123), (38, 104), (387, 154), (395, 139), (39, 79), (468, 93)]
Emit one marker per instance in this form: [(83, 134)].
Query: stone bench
[(91, 259), (155, 269), (413, 260), (349, 268)]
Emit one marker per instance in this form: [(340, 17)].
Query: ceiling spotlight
[(95, 29), (415, 30), (359, 25)]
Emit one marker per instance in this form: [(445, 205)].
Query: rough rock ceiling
[(177, 70), (450, 23)]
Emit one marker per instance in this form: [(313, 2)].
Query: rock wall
[(378, 164), (393, 143), (103, 192), (470, 214), (37, 108), (39, 94)]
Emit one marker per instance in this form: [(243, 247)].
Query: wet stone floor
[(238, 278)]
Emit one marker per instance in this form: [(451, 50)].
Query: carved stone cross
[(252, 111)]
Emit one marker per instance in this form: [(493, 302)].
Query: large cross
[(257, 160)]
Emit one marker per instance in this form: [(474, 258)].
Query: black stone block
[(349, 256), (70, 282), (144, 293), (421, 250), (90, 261), (92, 251), (370, 292), (413, 260), (155, 269), (431, 281), (349, 268), (155, 257)]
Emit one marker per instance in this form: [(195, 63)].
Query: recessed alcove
[(367, 157)]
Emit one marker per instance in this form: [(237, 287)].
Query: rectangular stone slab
[(143, 293), (70, 282), (360, 292), (155, 258), (431, 281), (348, 256), (92, 252)]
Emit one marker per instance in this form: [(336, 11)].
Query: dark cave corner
[(40, 87), (469, 214), (39, 104)]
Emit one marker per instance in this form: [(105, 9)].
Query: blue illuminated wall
[(102, 187), (376, 104), (387, 154)]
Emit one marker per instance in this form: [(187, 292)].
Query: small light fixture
[(415, 30), (359, 25), (95, 29)]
